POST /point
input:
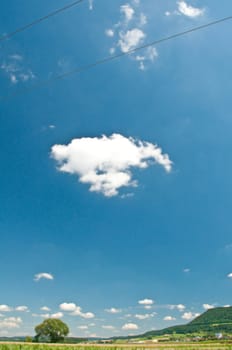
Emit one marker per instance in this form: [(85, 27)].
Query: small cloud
[(146, 302), (186, 270), (43, 275), (189, 315), (179, 307), (129, 326), (169, 318), (229, 275), (113, 310), (208, 306), (22, 308), (109, 32), (5, 308), (45, 308), (68, 306), (130, 39), (188, 10), (57, 315), (127, 11), (144, 316)]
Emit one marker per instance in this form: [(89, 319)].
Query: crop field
[(168, 346)]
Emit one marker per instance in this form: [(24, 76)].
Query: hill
[(218, 320)]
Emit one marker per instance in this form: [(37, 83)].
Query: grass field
[(169, 346)]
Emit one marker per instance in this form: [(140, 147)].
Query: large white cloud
[(76, 310), (189, 10), (43, 275), (106, 162)]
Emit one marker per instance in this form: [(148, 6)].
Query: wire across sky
[(39, 20), (114, 57)]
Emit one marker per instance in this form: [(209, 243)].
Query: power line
[(114, 57), (38, 20)]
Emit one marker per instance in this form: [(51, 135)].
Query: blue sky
[(130, 231)]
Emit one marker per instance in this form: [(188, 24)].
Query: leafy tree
[(52, 329)]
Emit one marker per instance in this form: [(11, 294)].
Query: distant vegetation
[(218, 320)]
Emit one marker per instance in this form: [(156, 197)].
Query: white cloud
[(179, 307), (57, 315), (44, 315), (5, 308), (22, 308), (76, 310), (188, 10), (127, 11), (208, 306), (109, 32), (45, 308), (229, 275), (10, 322), (129, 33), (129, 326), (169, 318), (146, 302), (130, 39), (113, 310), (68, 306), (144, 316), (189, 315), (108, 327), (43, 275), (105, 162)]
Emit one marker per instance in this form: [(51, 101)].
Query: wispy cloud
[(14, 68), (129, 32), (106, 163), (43, 275)]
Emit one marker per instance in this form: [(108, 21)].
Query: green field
[(169, 346)]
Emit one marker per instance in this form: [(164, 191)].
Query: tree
[(52, 329)]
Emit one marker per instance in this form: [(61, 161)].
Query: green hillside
[(218, 320)]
